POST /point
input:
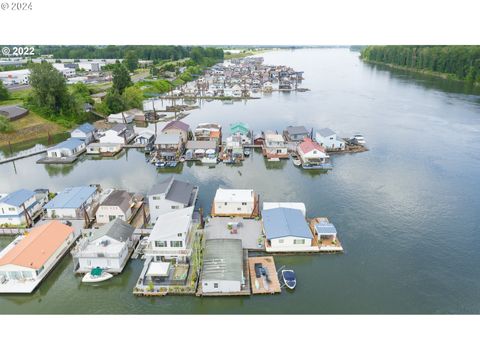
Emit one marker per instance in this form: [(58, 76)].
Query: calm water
[(407, 211)]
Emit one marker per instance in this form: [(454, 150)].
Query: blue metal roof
[(71, 198), (325, 228), (17, 198), (281, 222), (86, 128), (70, 144)]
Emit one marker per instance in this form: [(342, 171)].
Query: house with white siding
[(73, 203), (107, 248), (170, 236), (69, 148), (118, 134), (235, 202), (177, 128), (286, 230), (170, 195), (27, 260), (275, 146), (86, 132), (18, 208), (117, 205), (329, 139)]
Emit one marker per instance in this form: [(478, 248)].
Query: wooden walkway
[(260, 285), (37, 149)]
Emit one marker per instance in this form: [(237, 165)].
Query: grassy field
[(16, 97), (29, 128)]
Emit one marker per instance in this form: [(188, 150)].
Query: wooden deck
[(326, 244), (273, 285)]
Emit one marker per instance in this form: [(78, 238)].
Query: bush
[(5, 125)]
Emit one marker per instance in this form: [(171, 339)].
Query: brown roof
[(38, 245)]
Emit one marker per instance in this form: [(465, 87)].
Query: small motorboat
[(295, 159), (160, 164), (171, 164), (246, 153), (289, 279), (358, 139), (96, 275)]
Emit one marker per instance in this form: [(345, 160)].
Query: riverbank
[(30, 129), (445, 76)]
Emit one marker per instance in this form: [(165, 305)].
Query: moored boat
[(295, 159), (96, 275), (289, 279), (317, 166)]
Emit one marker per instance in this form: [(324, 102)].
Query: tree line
[(155, 53), (462, 62)]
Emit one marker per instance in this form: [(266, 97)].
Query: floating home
[(86, 132), (223, 268), (104, 149), (208, 132), (118, 134), (118, 204), (19, 208), (170, 236), (177, 128), (198, 149), (275, 146), (286, 230), (329, 139), (235, 202), (73, 203), (169, 146), (68, 149), (29, 258), (108, 248), (312, 155), (296, 133), (170, 195)]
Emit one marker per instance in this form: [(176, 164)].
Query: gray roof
[(281, 222), (176, 190), (13, 112), (120, 198), (201, 144), (116, 229), (326, 132), (297, 130), (119, 128), (223, 260), (167, 139)]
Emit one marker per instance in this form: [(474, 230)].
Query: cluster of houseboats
[(241, 78), (228, 252), (175, 142)]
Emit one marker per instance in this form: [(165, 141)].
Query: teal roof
[(239, 127)]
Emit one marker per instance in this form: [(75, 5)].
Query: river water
[(407, 211)]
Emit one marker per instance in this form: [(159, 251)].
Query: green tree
[(121, 78), (131, 60), (4, 94), (115, 102), (133, 97), (49, 89)]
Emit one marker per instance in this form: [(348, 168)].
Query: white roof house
[(234, 202), (290, 205), (170, 234), (121, 118)]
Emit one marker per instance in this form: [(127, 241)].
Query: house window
[(179, 234), (299, 241), (160, 244), (281, 241), (176, 243), (244, 203), (215, 285), (225, 204), (156, 198), (239, 209), (111, 217), (157, 207), (174, 207)]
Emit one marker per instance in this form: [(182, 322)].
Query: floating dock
[(261, 285)]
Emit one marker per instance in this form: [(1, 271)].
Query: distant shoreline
[(437, 74)]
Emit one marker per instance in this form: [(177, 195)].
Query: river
[(407, 211)]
